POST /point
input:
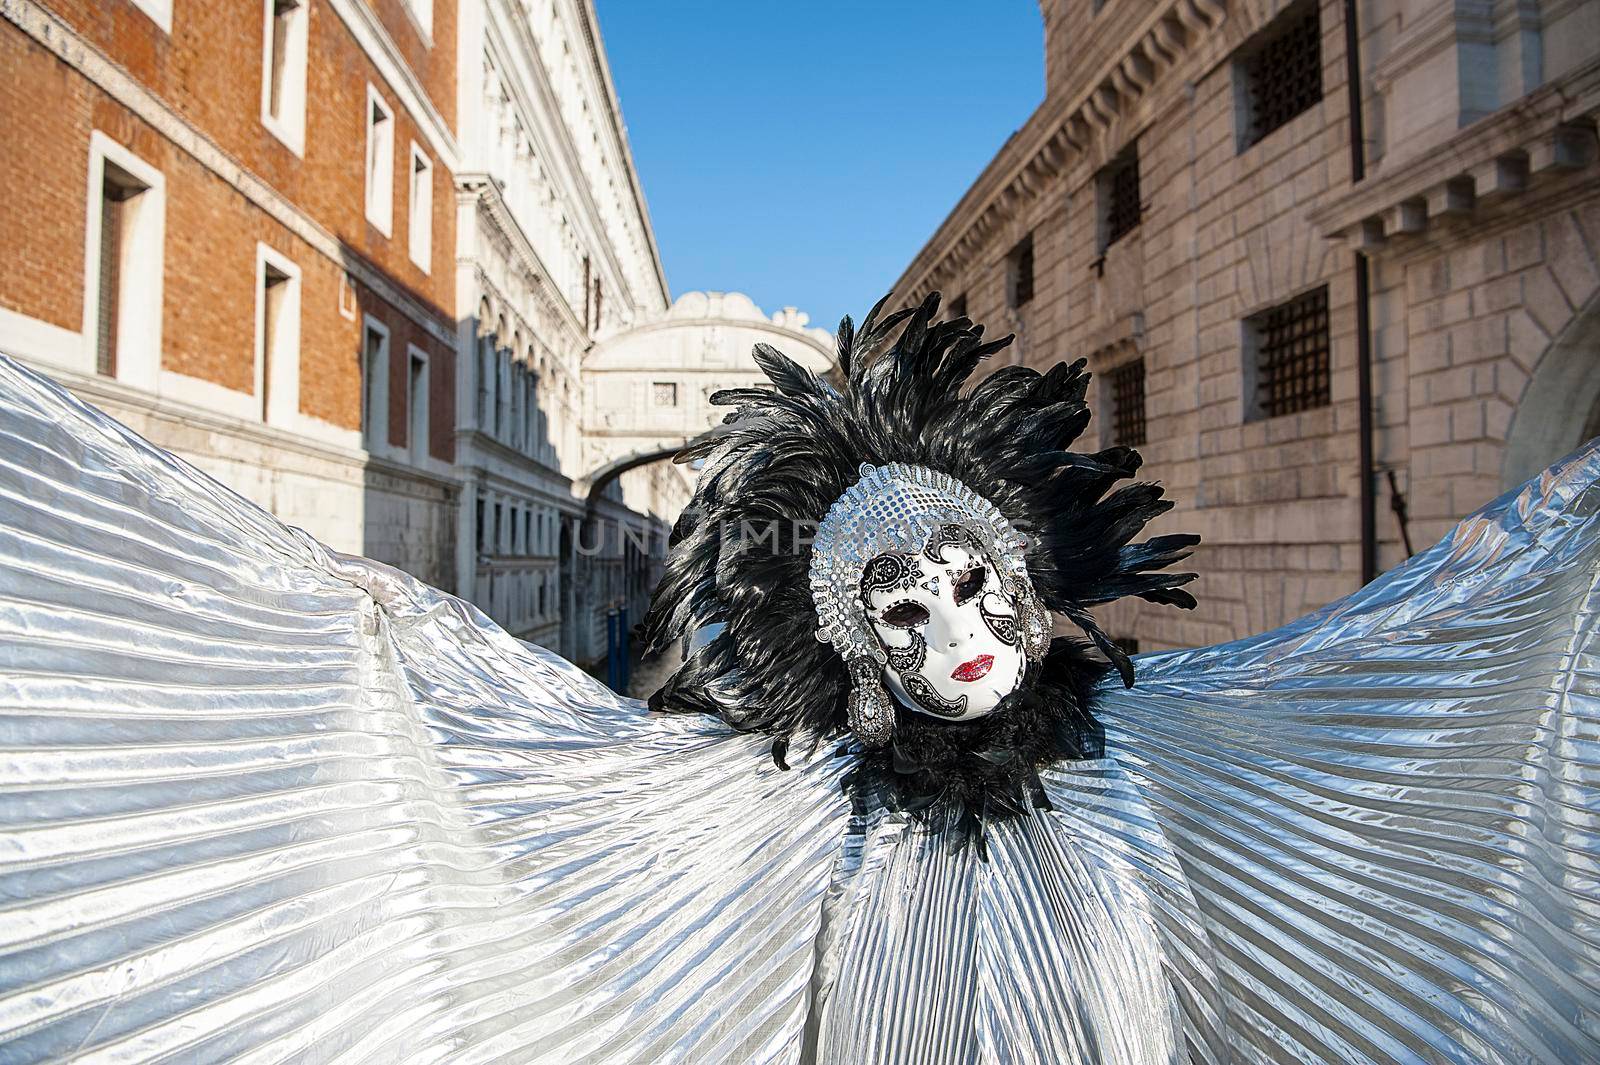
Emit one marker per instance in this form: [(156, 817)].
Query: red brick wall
[(210, 71), (42, 212)]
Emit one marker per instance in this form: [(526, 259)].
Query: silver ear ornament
[(870, 707), (896, 507)]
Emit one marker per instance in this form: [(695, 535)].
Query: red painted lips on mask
[(973, 670)]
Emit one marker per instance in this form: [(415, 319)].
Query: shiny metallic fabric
[(260, 802)]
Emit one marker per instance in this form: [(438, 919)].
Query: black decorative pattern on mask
[(890, 572), (951, 535), (909, 659), (1004, 626), (922, 690)]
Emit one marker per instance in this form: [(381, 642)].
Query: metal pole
[(1365, 427), (626, 658), (611, 649)]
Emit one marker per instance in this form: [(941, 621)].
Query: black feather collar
[(959, 776)]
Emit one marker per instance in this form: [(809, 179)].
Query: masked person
[(264, 801)]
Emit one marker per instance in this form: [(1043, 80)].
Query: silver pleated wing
[(260, 802)]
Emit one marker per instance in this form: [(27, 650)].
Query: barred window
[(664, 393), (1280, 74), (958, 306), (1127, 644), (1119, 196), (1290, 342), (1021, 260), (1127, 404)]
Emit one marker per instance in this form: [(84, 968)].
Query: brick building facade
[(1187, 209), (210, 207)]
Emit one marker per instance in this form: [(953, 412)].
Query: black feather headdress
[(740, 552)]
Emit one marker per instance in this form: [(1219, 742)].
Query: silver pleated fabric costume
[(261, 802)]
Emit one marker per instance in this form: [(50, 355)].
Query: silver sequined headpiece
[(895, 508)]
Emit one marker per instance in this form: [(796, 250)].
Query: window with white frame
[(374, 386), (277, 335), (283, 70), (123, 262), (380, 162), (417, 405), (422, 12), (160, 12), (421, 209)]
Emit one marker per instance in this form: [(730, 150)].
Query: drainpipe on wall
[(1365, 428)]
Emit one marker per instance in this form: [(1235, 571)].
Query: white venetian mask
[(948, 625), (922, 587)]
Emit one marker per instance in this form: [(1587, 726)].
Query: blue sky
[(803, 153)]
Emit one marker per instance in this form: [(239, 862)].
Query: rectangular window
[(502, 409), (958, 306), (1118, 187), (421, 11), (115, 193), (664, 393), (485, 379), (531, 440), (527, 531), (123, 263), (421, 209), (1128, 645), (1019, 270), (498, 540), (1127, 404), (277, 332), (477, 526), (417, 405), (599, 293), (375, 386), (283, 71), (1288, 350), (380, 162), (1278, 75)]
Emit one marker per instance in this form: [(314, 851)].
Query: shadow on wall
[(1560, 407), (406, 379)]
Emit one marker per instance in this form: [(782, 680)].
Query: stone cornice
[(1062, 129), (484, 190), (619, 130), (556, 141), (1552, 129), (514, 22), (581, 181)]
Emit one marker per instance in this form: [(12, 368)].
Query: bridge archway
[(594, 483), (1560, 406), (648, 389)]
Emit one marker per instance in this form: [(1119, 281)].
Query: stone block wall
[(1468, 313)]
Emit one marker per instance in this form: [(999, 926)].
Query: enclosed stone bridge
[(648, 389)]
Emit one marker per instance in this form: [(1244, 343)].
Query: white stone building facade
[(554, 248), (558, 277), (1188, 208)]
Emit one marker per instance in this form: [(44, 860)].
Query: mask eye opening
[(969, 583), (904, 614)]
